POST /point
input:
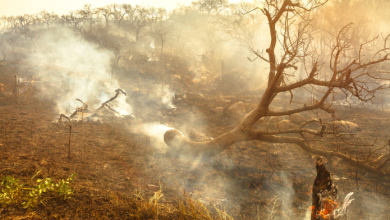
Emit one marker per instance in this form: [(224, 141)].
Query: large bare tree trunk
[(295, 44)]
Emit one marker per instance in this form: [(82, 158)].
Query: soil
[(114, 161)]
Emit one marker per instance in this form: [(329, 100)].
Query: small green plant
[(13, 192), (62, 188), (10, 190), (35, 193)]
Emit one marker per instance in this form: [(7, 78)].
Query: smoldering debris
[(177, 69), (93, 113), (325, 195)]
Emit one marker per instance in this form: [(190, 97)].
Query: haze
[(195, 109), (21, 7)]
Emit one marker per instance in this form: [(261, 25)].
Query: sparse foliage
[(48, 18), (13, 192), (211, 6), (74, 20), (357, 76)]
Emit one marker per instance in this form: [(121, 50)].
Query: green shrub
[(12, 192)]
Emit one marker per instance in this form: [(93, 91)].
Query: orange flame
[(327, 209)]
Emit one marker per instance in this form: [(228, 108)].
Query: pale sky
[(21, 7)]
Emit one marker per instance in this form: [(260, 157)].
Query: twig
[(70, 133), (357, 170), (85, 106)]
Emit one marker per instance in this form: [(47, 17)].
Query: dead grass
[(116, 164), (188, 208), (138, 206)]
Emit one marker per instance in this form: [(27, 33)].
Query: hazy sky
[(20, 7)]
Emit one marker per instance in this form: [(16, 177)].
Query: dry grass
[(188, 208), (139, 206)]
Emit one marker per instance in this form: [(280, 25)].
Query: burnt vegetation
[(212, 110)]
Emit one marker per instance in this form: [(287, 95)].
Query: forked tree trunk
[(341, 78)]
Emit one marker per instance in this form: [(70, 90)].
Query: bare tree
[(141, 20), (160, 29), (5, 22), (356, 77), (88, 14), (24, 25), (118, 13), (340, 13), (213, 40), (115, 61), (129, 10), (106, 12), (4, 52), (11, 41), (211, 5), (75, 20), (91, 15), (157, 15), (241, 27), (159, 25), (13, 21), (48, 18)]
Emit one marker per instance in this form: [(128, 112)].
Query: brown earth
[(118, 167)]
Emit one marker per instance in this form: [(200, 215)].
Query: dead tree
[(241, 27), (4, 52), (115, 61), (356, 77), (325, 196), (75, 20), (24, 25), (48, 18), (84, 108), (12, 42), (106, 12), (118, 13), (140, 21), (210, 6)]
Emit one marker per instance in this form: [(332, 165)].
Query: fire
[(327, 209)]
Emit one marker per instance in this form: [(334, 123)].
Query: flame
[(327, 209)]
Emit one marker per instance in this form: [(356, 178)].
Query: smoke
[(167, 97), (121, 105), (80, 68), (156, 132), (194, 52), (152, 44), (288, 192)]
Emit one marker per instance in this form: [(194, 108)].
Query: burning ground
[(98, 96), (116, 159)]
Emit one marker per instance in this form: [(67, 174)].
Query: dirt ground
[(115, 162)]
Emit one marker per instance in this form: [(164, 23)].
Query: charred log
[(325, 195)]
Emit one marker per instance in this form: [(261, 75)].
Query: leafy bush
[(12, 192), (63, 187)]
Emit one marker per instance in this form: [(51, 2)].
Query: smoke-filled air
[(215, 110)]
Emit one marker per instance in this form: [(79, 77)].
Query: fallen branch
[(85, 107)]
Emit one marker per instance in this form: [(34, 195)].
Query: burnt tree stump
[(324, 194)]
